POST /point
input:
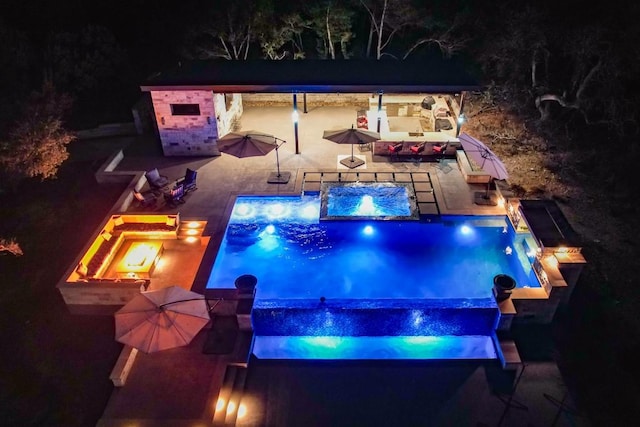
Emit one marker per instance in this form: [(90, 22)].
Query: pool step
[(472, 347), (229, 403)]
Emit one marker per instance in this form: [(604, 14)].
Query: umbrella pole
[(278, 177), (352, 159)]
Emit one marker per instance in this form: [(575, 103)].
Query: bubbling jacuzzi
[(372, 201)]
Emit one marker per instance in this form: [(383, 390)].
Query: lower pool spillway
[(377, 329), (363, 289)]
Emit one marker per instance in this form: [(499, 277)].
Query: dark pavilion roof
[(364, 76)]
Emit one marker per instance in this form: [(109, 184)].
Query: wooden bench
[(123, 366)]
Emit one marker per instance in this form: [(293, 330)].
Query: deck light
[(231, 408), (459, 122), (242, 411)]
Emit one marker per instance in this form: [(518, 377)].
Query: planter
[(502, 286), (246, 284)]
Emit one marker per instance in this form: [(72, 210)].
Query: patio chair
[(189, 180), (394, 149), (155, 180), (440, 149), (418, 148), (175, 196), (147, 201)]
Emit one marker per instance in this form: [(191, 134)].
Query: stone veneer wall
[(195, 135), (359, 100)]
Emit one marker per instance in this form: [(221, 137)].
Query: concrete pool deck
[(179, 387)]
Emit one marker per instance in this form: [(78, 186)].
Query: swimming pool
[(294, 255)]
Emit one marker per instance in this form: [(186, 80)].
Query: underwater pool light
[(244, 210), (367, 230), (466, 230), (277, 210), (270, 229)]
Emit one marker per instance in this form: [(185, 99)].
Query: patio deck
[(180, 386)]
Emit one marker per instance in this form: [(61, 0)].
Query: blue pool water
[(281, 241), (399, 289)]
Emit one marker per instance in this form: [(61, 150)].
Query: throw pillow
[(82, 269), (153, 175)]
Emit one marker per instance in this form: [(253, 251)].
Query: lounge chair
[(145, 201), (155, 180), (189, 180), (175, 196)]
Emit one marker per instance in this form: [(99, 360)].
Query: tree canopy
[(37, 143)]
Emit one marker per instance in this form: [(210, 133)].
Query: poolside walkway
[(179, 387)]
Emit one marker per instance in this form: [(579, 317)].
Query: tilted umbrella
[(162, 319), (351, 136), (484, 157), (252, 144)]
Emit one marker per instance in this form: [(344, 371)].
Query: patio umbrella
[(158, 320), (351, 136), (484, 157), (252, 144)]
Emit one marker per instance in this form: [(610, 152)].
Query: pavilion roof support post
[(379, 111), (295, 116), (304, 102)]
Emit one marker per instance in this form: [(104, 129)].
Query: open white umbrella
[(162, 319), (351, 136), (252, 144)]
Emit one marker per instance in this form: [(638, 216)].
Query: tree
[(81, 62), (37, 144), (91, 67), (387, 18), (332, 25), (274, 39), (444, 31), (16, 58), (10, 246), (225, 33)]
